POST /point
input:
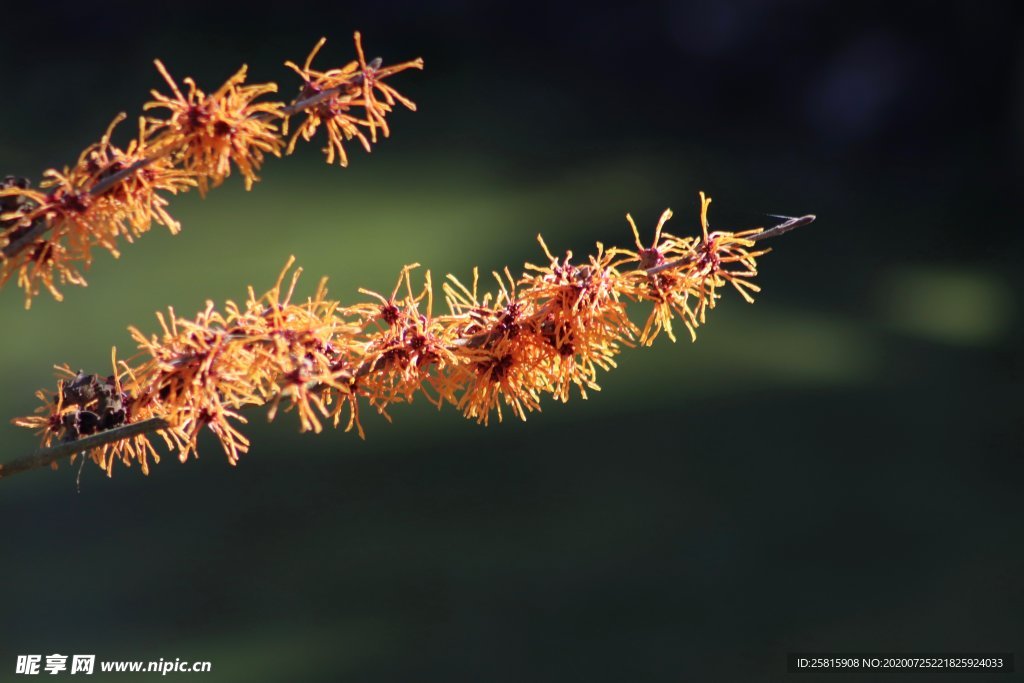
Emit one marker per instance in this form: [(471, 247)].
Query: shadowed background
[(835, 468)]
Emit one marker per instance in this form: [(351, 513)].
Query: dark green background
[(836, 468)]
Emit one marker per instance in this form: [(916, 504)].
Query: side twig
[(48, 232)]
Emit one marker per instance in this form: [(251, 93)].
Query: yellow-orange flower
[(345, 100), (372, 83), (210, 132)]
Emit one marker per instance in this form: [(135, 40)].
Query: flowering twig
[(112, 193), (552, 328)]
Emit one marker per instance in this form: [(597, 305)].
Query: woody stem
[(47, 456)]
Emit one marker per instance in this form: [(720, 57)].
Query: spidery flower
[(210, 132), (372, 83), (344, 101)]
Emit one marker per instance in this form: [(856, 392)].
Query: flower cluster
[(187, 139), (345, 100), (543, 333)]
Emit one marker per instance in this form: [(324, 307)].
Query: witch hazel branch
[(549, 332), (186, 139)]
